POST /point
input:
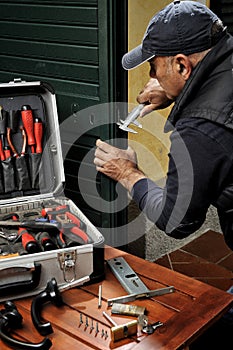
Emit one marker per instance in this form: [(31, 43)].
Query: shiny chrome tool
[(131, 119)]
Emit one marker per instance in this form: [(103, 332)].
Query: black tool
[(10, 318), (3, 123), (28, 241), (32, 224), (45, 241), (50, 294)]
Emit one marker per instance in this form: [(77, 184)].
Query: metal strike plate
[(127, 276)]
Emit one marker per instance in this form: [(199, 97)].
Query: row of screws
[(104, 334)]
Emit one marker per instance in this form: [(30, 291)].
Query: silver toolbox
[(32, 200)]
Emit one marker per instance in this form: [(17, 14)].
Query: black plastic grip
[(10, 318), (22, 286), (50, 294), (16, 344)]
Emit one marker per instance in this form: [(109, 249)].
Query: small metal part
[(121, 331), (106, 334), (145, 295), (92, 325), (86, 324), (9, 236), (100, 297), (102, 333), (109, 318), (142, 320), (81, 318), (96, 328), (130, 310), (150, 328)]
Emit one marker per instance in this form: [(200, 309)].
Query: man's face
[(168, 75)]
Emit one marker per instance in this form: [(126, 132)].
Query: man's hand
[(118, 164), (153, 94)]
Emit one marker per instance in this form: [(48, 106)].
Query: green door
[(76, 46)]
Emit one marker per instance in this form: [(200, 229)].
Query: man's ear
[(183, 66)]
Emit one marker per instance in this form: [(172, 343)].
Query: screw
[(92, 325), (106, 334), (86, 321), (81, 318), (97, 328), (102, 334)]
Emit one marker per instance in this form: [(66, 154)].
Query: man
[(190, 55)]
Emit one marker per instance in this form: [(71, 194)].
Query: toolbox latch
[(17, 81), (67, 264)]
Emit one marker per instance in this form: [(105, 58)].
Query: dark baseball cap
[(181, 27)]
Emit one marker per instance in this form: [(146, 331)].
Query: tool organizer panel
[(23, 135), (43, 234)]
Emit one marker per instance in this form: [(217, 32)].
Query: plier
[(71, 226), (23, 150)]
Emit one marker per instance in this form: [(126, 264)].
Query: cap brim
[(135, 58)]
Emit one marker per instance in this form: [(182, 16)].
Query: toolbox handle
[(23, 286)]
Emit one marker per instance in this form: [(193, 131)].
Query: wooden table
[(186, 313)]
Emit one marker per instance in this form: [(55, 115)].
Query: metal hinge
[(67, 262)]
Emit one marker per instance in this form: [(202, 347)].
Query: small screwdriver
[(28, 123), (38, 132)]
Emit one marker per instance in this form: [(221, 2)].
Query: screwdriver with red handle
[(38, 132), (4, 147), (28, 241), (28, 123)]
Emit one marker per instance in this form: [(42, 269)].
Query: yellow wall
[(150, 143)]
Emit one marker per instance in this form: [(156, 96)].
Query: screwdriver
[(28, 241), (2, 155), (3, 120), (28, 123), (38, 132), (46, 241)]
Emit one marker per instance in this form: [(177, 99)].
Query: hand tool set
[(63, 229), (43, 234), (21, 149)]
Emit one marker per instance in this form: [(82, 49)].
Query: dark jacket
[(200, 168)]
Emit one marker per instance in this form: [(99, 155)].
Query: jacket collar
[(200, 76)]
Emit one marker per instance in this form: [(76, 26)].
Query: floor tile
[(212, 266), (209, 246), (227, 262)]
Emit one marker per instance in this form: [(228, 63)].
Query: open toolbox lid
[(44, 171)]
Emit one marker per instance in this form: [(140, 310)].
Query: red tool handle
[(76, 221), (28, 241), (7, 152), (80, 233), (2, 155), (38, 132), (28, 123)]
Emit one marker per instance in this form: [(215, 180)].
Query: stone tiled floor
[(207, 259)]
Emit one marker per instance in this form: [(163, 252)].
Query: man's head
[(182, 27)]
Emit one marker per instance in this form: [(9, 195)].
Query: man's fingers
[(104, 146), (147, 109), (99, 162)]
